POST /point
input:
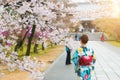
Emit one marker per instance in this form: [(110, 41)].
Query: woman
[(68, 50), (84, 60)]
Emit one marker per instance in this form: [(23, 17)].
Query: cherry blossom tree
[(27, 21), (30, 18)]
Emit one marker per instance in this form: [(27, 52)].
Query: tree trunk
[(35, 48), (30, 40), (55, 43), (43, 46), (51, 44), (25, 36), (16, 47), (20, 43)]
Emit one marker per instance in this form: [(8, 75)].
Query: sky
[(116, 8), (88, 0)]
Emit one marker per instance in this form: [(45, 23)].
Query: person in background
[(76, 36), (69, 48), (84, 59), (102, 37)]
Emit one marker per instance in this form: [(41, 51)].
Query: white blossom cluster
[(24, 64)]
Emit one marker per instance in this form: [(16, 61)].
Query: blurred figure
[(69, 48), (92, 30), (81, 28), (76, 37), (102, 37)]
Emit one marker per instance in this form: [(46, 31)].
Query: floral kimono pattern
[(83, 72)]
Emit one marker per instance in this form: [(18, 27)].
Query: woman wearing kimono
[(84, 60)]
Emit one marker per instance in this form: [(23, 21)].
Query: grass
[(42, 52), (115, 43), (22, 51)]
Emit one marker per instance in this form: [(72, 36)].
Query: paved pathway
[(107, 65)]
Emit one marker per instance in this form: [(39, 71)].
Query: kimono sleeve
[(75, 60), (75, 57), (94, 59)]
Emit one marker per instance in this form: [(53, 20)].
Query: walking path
[(107, 65)]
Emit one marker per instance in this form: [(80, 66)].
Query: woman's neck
[(83, 45)]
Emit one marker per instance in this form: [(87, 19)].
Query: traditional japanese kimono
[(83, 68)]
